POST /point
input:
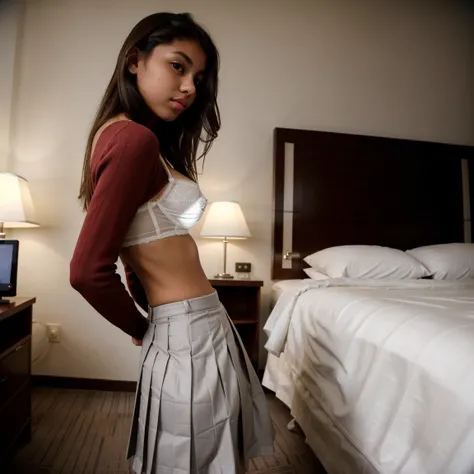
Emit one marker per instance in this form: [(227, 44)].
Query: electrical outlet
[(53, 332), (242, 267), (243, 276)]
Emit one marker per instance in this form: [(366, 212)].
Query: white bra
[(176, 210)]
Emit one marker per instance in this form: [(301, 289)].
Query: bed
[(279, 287), (378, 373)]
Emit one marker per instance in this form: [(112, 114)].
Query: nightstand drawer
[(14, 371), (14, 416)]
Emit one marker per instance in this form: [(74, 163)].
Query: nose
[(187, 85)]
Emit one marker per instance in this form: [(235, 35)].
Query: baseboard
[(83, 383)]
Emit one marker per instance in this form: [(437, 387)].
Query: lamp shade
[(16, 205), (225, 219)]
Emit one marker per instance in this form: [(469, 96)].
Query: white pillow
[(366, 261), (314, 274), (447, 261)]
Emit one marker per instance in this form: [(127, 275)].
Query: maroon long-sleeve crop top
[(126, 172)]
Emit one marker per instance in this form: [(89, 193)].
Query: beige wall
[(388, 68), (10, 19)]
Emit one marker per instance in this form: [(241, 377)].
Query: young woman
[(199, 406)]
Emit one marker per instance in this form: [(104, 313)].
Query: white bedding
[(280, 286), (388, 365)]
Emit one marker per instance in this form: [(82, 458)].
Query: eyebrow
[(187, 59), (184, 56)]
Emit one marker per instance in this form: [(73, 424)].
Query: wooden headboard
[(339, 189)]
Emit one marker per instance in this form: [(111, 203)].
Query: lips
[(182, 102)]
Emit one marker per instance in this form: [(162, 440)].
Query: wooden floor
[(86, 432)]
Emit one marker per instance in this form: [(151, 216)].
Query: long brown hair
[(180, 139)]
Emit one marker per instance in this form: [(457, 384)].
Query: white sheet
[(280, 286), (389, 363)]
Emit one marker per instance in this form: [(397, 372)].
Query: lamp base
[(226, 276)]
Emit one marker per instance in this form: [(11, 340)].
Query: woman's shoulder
[(124, 132), (127, 152), (127, 147)]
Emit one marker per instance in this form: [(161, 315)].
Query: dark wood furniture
[(241, 299), (354, 189), (15, 374)]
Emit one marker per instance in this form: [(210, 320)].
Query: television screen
[(8, 267)]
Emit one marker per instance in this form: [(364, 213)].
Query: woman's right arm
[(124, 177)]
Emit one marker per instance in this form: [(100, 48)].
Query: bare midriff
[(169, 269)]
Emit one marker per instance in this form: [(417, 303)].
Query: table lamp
[(225, 220), (16, 205)]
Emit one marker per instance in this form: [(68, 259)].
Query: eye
[(198, 81), (178, 67)]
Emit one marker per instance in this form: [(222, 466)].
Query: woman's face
[(167, 78)]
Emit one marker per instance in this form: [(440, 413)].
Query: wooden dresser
[(15, 373)]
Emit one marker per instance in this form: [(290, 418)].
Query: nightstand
[(241, 299)]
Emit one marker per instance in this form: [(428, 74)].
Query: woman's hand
[(137, 342)]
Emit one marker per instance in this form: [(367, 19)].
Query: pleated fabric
[(199, 406)]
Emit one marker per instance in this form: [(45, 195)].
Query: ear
[(132, 60)]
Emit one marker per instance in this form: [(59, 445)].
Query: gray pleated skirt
[(199, 406)]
